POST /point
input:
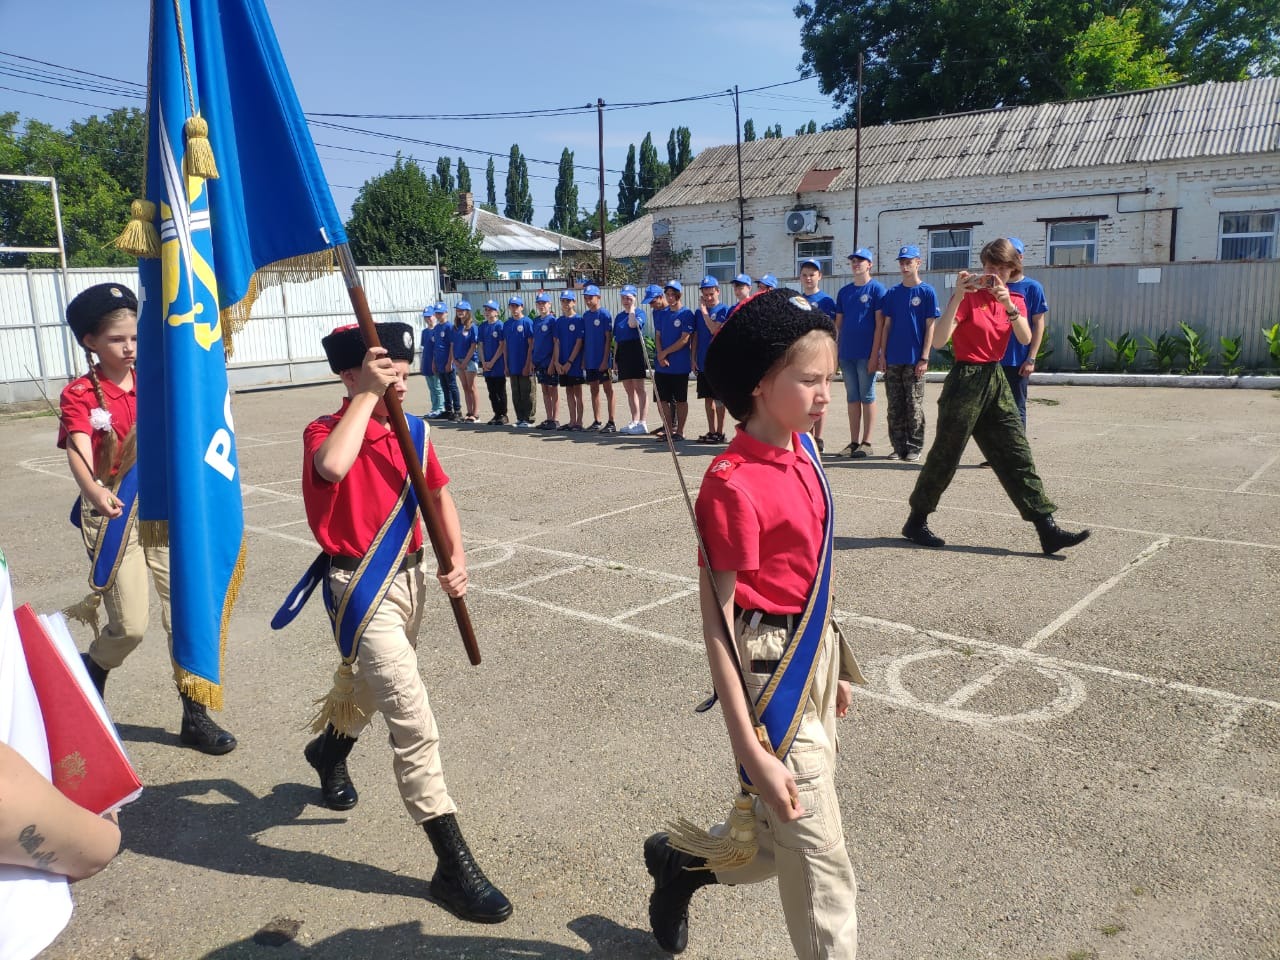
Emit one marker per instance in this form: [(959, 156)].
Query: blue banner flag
[(241, 201)]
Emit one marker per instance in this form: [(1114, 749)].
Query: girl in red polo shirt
[(976, 401), (96, 428)]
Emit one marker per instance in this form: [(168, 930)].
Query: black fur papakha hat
[(90, 306), (755, 337), (345, 349)]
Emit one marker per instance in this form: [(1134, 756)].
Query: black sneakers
[(916, 529)]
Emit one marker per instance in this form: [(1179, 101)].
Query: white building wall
[(1138, 207)]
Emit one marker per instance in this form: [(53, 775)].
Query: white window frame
[(1271, 237), (947, 253), (722, 270), (1089, 245), (822, 250)]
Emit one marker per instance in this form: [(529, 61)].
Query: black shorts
[(671, 387), (704, 388), (631, 365), (598, 376), (569, 380), (546, 379)]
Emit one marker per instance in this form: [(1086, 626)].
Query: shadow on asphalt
[(132, 733), (859, 543), (605, 939), (177, 821)]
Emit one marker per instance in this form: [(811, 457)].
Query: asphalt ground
[(1054, 758)]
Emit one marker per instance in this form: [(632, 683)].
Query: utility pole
[(857, 156), (742, 227), (604, 260)]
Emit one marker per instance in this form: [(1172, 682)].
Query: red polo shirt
[(345, 516), (78, 399), (982, 327), (761, 513)]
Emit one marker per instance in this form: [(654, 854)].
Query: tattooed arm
[(41, 828)]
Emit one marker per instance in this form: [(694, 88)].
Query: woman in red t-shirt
[(976, 402)]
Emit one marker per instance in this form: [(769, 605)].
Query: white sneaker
[(522, 423)]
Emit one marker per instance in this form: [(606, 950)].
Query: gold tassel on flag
[(198, 160), (86, 612), (153, 533), (338, 706), (736, 848), (140, 237)]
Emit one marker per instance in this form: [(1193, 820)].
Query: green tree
[(810, 127), (774, 132), (490, 189), (654, 174), (464, 176), (400, 218), (749, 130), (519, 200), (679, 150), (1112, 56), (564, 217), (628, 190), (444, 177)]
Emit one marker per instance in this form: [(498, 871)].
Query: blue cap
[(675, 285), (462, 305), (429, 309), (1017, 245), (515, 302), (811, 263), (709, 282), (652, 292), (862, 253), (542, 298), (442, 307), (591, 290), (768, 280), (909, 252), (743, 279), (568, 295), (491, 305), (627, 291)]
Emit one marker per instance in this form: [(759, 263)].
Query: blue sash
[(351, 614), (781, 704), (113, 535)]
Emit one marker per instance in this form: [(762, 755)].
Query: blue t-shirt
[(671, 326), (544, 339), (598, 327), (857, 306), (703, 332), (568, 332), (622, 329), (443, 340), (824, 302), (910, 308), (491, 339), (1015, 355), (427, 341), (462, 339), (517, 334)]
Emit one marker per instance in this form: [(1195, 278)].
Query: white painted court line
[(634, 506), (1227, 727), (671, 598), (543, 578), (1151, 483), (587, 464), (976, 686), (1244, 487)]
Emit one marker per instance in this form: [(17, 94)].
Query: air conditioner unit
[(802, 221)]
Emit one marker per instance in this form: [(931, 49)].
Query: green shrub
[(1081, 340), (1231, 350), (1193, 348), (1164, 351), (1125, 348), (1272, 335)]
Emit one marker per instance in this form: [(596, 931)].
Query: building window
[(819, 250), (515, 275), (537, 274), (949, 249), (1249, 236), (720, 262), (1073, 242)]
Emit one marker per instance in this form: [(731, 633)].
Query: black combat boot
[(199, 730), (328, 754), (459, 884), (96, 673), (675, 880), (916, 529), (1053, 538)]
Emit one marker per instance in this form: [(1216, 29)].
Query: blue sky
[(390, 56)]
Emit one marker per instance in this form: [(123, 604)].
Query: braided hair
[(111, 446)]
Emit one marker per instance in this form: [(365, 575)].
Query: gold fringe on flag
[(153, 533), (140, 237), (300, 269), (338, 706), (736, 848), (86, 612), (198, 688), (198, 160)]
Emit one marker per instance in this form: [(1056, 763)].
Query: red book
[(85, 753)]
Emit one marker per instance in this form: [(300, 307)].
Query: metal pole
[(857, 157), (66, 284), (604, 258), (426, 503), (742, 226)]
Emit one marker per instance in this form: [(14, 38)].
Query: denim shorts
[(859, 383)]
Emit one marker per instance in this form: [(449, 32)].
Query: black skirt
[(631, 360)]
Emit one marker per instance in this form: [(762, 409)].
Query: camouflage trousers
[(905, 415), (976, 401)]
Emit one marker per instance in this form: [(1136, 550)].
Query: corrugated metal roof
[(501, 235), (632, 241), (1168, 123)]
